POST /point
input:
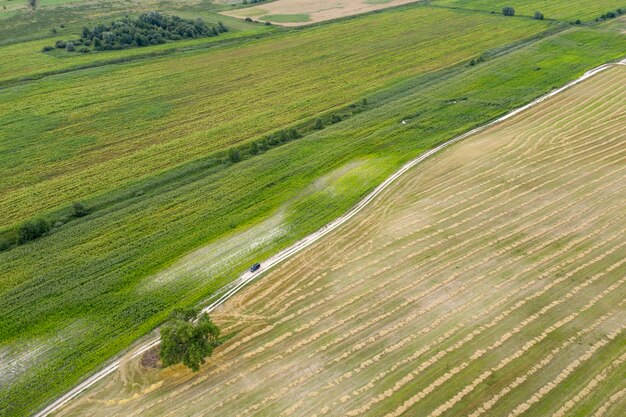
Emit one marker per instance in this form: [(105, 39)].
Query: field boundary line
[(248, 277)]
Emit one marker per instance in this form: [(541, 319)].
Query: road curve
[(268, 264)]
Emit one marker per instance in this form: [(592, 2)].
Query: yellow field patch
[(303, 12)]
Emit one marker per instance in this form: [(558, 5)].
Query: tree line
[(147, 29)]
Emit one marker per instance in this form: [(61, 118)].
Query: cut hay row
[(416, 372), (428, 237), (614, 399), (520, 409), (546, 361), (591, 219), (405, 289), (355, 348), (590, 387)]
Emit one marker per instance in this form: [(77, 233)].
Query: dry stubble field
[(489, 281), (304, 12)]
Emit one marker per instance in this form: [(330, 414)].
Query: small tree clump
[(31, 230), (508, 11), (186, 342), (538, 16)]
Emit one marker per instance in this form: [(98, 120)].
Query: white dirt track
[(268, 264)]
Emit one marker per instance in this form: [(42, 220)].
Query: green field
[(143, 144), (89, 140), (584, 10)]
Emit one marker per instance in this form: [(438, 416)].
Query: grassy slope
[(86, 276), (76, 135), (584, 10)]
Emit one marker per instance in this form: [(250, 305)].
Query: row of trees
[(151, 28), (34, 229)]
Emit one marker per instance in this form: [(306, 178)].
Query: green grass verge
[(83, 293)]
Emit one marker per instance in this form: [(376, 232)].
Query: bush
[(538, 16), (59, 44), (508, 11), (319, 124), (79, 209), (32, 230), (70, 47), (335, 118), (247, 19), (234, 155), (47, 48), (4, 244)]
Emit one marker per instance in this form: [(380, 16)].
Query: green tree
[(186, 342), (508, 11), (538, 16)]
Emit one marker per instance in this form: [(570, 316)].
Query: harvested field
[(303, 12), (488, 281)]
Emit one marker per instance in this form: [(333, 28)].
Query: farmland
[(142, 139), (302, 12), (487, 281), (561, 10), (203, 102)]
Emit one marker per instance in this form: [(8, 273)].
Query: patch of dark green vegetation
[(147, 29), (611, 15)]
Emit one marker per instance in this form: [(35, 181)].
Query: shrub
[(508, 11), (234, 155), (47, 48), (335, 118), (70, 47), (32, 230), (247, 19), (538, 16), (79, 209), (4, 244), (319, 124), (59, 44)]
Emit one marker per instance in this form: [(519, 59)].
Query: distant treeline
[(151, 28)]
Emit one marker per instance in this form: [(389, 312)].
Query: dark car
[(255, 267)]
